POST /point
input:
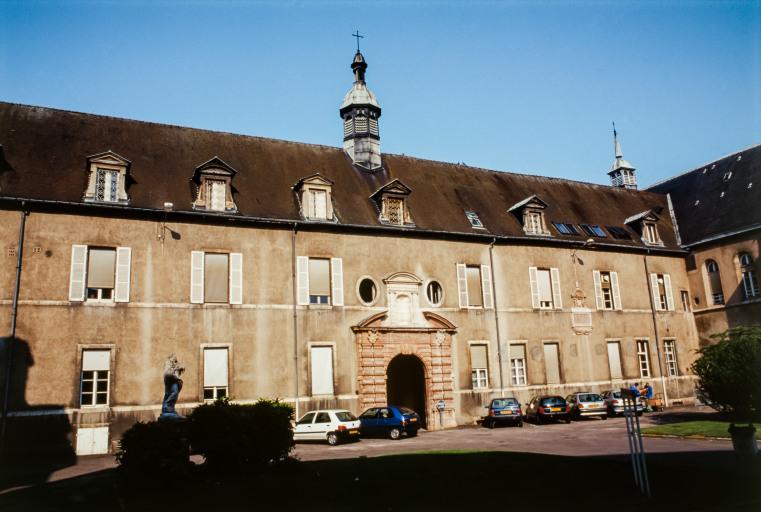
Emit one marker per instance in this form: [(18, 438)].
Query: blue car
[(503, 410), (389, 421)]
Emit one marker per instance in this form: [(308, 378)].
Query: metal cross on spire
[(358, 38)]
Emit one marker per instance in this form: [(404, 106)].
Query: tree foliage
[(729, 372)]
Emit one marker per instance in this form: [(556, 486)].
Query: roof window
[(739, 157), (213, 187), (108, 177), (474, 220), (697, 202), (566, 229), (727, 176), (592, 230), (721, 195), (618, 233), (750, 185)]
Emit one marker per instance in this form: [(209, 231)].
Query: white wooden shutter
[(78, 272), (236, 278), (615, 290), (302, 279), (598, 289), (92, 440), (196, 277), (557, 298), (462, 285), (669, 295), (656, 295), (322, 370), (123, 263), (534, 287), (337, 281), (486, 287)]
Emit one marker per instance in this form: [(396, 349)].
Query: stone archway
[(405, 384), (379, 342)]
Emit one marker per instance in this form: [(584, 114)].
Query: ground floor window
[(614, 360), (518, 365), (215, 373), (669, 349), (321, 362), (94, 383), (644, 358), (479, 367)]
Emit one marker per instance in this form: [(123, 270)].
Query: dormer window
[(213, 181), (646, 223), (393, 207), (530, 213), (107, 178), (475, 222), (315, 197)]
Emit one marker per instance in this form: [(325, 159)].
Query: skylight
[(474, 220), (592, 230), (619, 233), (566, 229)]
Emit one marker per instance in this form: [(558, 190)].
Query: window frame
[(359, 294), (643, 357), (479, 375), (311, 346), (518, 366), (670, 356), (202, 372), (234, 278), (93, 347), (441, 290)]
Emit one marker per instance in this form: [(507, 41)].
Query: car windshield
[(345, 416), (406, 410), (553, 400), (589, 397), (504, 402), (616, 394)]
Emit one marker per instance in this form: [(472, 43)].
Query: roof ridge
[(684, 173)]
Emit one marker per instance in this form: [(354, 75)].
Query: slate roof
[(709, 204), (44, 154)]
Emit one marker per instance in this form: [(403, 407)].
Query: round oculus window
[(435, 293), (367, 290)]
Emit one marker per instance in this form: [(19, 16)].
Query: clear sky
[(521, 86)]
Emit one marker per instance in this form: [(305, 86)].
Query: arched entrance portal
[(405, 384)]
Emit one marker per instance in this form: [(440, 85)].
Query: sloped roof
[(709, 204), (45, 151)]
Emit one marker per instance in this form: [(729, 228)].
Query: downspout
[(11, 340), (496, 314), (295, 319), (655, 327)]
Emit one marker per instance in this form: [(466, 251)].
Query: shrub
[(154, 451), (234, 437), (729, 372)]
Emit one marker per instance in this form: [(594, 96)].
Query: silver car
[(586, 404), (615, 404)]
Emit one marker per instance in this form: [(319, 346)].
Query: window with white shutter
[(534, 282), (78, 272), (616, 291), (216, 278), (544, 288), (486, 286), (215, 373), (475, 290), (337, 281), (462, 285), (669, 293), (196, 277), (302, 279), (556, 296), (236, 278), (321, 361)]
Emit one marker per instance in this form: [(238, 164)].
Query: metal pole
[(657, 335), (643, 463), (632, 449), (496, 314), (295, 320), (11, 340)]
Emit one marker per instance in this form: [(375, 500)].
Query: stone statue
[(172, 387)]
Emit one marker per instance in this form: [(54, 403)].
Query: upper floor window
[(748, 276), (650, 231), (473, 219), (216, 278), (474, 286), (392, 202), (545, 288), (213, 183), (319, 281), (663, 298), (607, 293), (530, 213), (714, 282), (100, 273), (107, 178), (315, 195)]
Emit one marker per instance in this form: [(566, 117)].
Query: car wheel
[(412, 433), (568, 419), (332, 439), (395, 433), (538, 420), (605, 417), (489, 423), (520, 423)]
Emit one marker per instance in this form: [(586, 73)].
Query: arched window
[(748, 274), (714, 282)]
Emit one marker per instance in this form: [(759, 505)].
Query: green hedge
[(154, 451)]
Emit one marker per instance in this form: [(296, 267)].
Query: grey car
[(586, 404), (615, 404)]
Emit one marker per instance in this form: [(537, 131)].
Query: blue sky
[(521, 86)]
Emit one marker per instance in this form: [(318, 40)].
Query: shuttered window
[(474, 285), (100, 273), (475, 298), (215, 373), (321, 360), (319, 206), (663, 298), (216, 277), (545, 288), (607, 294), (479, 366), (319, 281)]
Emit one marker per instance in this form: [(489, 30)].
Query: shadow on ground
[(704, 481)]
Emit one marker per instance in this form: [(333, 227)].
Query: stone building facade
[(325, 277)]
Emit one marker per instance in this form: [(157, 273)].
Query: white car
[(331, 425)]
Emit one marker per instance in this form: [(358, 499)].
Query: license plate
[(353, 431), (555, 409), (413, 420), (506, 412)]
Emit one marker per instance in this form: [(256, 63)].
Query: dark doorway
[(405, 384)]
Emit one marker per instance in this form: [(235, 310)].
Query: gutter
[(496, 313), (11, 340), (657, 335), (295, 319)]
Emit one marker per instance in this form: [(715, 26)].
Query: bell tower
[(360, 113), (621, 172)]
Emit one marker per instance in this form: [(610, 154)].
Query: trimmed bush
[(729, 372), (234, 437), (154, 451)]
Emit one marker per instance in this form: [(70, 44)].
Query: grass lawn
[(424, 481), (696, 429)]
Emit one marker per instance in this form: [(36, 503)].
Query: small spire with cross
[(356, 34)]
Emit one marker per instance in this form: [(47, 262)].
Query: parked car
[(586, 404), (331, 425), (543, 408), (614, 404), (503, 410), (389, 421)]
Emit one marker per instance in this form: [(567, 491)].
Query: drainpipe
[(496, 314), (295, 319), (655, 327), (11, 341)]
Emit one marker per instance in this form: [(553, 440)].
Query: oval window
[(367, 291), (435, 293)]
